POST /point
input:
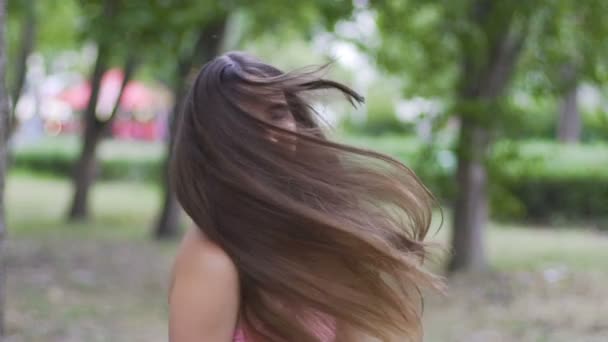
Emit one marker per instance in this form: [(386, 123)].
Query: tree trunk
[(93, 134), (569, 122), (4, 121), (208, 46), (128, 71), (28, 35), (168, 222), (483, 83), (168, 225), (84, 172), (471, 207), (569, 125)]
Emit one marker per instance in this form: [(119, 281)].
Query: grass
[(531, 248), (109, 149), (534, 248), (106, 280), (38, 207)]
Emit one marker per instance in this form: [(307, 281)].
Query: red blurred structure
[(128, 129), (138, 110), (137, 96)]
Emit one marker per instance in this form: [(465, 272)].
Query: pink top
[(238, 336), (325, 333)]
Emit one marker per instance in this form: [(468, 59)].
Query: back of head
[(318, 230)]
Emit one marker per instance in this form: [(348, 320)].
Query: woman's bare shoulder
[(204, 293), (198, 254)]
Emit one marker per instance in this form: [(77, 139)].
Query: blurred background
[(499, 106)]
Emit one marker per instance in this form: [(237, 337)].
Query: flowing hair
[(319, 231)]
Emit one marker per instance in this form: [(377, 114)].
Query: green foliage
[(466, 52), (57, 24), (530, 180), (379, 121), (54, 26), (529, 117), (380, 117), (577, 197), (549, 182), (118, 160), (171, 28), (160, 32), (285, 17), (404, 148), (568, 33), (296, 52), (440, 46), (595, 126), (413, 47), (535, 118)]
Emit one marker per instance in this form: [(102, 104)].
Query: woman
[(296, 238)]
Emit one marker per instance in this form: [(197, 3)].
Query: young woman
[(295, 238)]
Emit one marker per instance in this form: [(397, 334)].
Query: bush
[(531, 180), (595, 126), (538, 120), (549, 181), (578, 198), (117, 160)]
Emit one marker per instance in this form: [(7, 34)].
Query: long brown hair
[(317, 229)]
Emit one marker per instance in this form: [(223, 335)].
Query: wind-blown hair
[(319, 231)]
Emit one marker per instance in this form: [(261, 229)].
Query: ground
[(107, 280)]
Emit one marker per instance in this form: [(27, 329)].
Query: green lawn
[(106, 280), (38, 207)]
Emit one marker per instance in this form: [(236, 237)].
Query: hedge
[(548, 181), (532, 180), (118, 160)]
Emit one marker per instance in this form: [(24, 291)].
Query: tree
[(121, 36), (179, 37), (466, 52), (569, 119), (481, 87), (206, 47), (26, 35), (4, 121), (94, 130), (569, 49), (580, 34), (27, 39), (164, 30), (85, 169)]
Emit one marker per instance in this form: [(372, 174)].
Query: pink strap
[(239, 336), (324, 332)]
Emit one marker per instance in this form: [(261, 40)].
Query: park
[(499, 107)]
